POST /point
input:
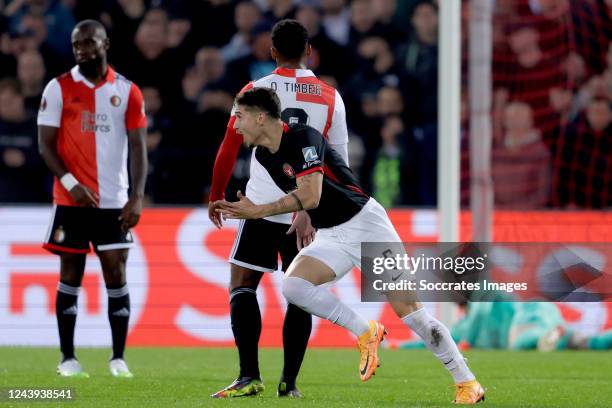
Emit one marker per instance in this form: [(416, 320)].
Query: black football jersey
[(304, 150)]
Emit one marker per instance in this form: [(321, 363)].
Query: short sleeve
[(309, 152), (135, 117), (51, 104)]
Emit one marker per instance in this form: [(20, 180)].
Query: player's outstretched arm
[(305, 197), (47, 147), (130, 215)]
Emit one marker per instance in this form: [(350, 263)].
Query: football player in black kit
[(317, 180)]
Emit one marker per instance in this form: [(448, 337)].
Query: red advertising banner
[(178, 276)]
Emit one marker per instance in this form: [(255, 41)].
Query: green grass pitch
[(185, 377)]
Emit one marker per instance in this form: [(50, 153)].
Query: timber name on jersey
[(304, 100), (303, 150), (93, 122)]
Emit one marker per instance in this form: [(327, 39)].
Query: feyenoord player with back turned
[(305, 99), (88, 120), (345, 217)]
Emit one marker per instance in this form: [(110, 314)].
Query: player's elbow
[(43, 149), (312, 201)]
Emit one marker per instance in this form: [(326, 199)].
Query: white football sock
[(439, 341), (320, 302)]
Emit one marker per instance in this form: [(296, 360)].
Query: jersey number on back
[(294, 115)]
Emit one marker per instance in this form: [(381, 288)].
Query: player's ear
[(106, 43), (273, 53), (308, 50)]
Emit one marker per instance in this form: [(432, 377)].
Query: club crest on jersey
[(115, 100), (288, 170), (43, 104), (310, 153), (59, 235)]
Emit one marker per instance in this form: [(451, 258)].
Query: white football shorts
[(339, 247)]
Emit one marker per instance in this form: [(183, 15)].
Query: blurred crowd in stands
[(552, 91)]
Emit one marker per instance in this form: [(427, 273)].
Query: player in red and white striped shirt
[(307, 100), (89, 118)]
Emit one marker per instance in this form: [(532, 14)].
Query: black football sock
[(246, 325), (119, 317), (296, 332), (66, 312)]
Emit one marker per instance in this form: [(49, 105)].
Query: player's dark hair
[(261, 98), (290, 38)]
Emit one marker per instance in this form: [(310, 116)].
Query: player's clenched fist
[(83, 196), (130, 214)]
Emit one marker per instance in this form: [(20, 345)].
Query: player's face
[(89, 45), (248, 125)]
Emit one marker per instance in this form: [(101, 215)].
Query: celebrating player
[(305, 99), (88, 118), (316, 179)]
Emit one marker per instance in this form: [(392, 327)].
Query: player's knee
[(114, 276), (296, 290), (244, 278), (72, 269), (404, 308)]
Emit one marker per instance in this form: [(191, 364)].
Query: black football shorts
[(72, 230), (258, 244)]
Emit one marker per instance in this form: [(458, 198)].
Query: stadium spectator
[(31, 75), (8, 63), (159, 126), (122, 19), (597, 86), (246, 17), (376, 69), (152, 57), (387, 172), (584, 164), (363, 22), (529, 76), (521, 166), (336, 20), (393, 30), (419, 58), (603, 11), (258, 63), (569, 32), (32, 34), (325, 52), (214, 21), (280, 9), (209, 68), (22, 174), (57, 18), (178, 29)]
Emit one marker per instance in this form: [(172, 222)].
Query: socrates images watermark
[(403, 268), (449, 272)]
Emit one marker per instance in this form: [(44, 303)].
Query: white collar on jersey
[(293, 73), (78, 77)]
